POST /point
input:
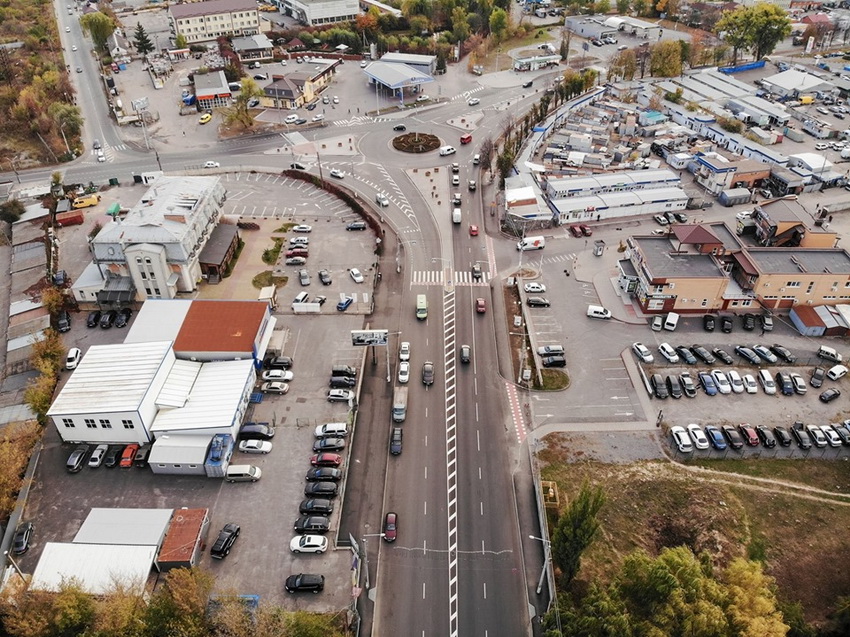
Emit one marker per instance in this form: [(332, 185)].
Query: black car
[(256, 431), (785, 384), (708, 322), (804, 440), (316, 506), (108, 319), (224, 542), (749, 321), (123, 317), (674, 386), (325, 277), (554, 361), (782, 436), (278, 362), (21, 543), (748, 354), (312, 107), (305, 582), (829, 395), (726, 324), (686, 355), (703, 354), (818, 374), (113, 456), (395, 441), (341, 382), (399, 127), (63, 321), (723, 355), (60, 278), (93, 319), (323, 489), (312, 524), (784, 353), (659, 388), (300, 120), (297, 166), (328, 444), (356, 225), (843, 433), (528, 84), (323, 473), (537, 301), (766, 436), (734, 438)]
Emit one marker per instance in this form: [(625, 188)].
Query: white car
[(309, 544), (212, 164), (534, 288), (661, 220), (698, 436), (822, 146), (363, 64), (642, 352), (100, 451), (403, 371), (723, 385), (744, 215), (473, 101), (255, 446), (680, 437), (74, 47), (337, 173), (750, 384), (274, 387), (356, 276), (67, 29), (668, 352), (100, 156), (836, 372), (319, 117), (831, 437), (736, 381), (73, 358), (335, 100), (280, 375), (404, 351), (302, 228), (340, 395), (422, 98)]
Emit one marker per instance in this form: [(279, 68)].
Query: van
[(400, 404), (332, 430), (243, 473), (466, 139), (597, 311), (421, 307), (540, 13), (671, 321), (86, 201), (456, 215), (766, 381), (447, 150), (291, 119), (301, 298), (343, 370), (531, 243), (141, 459), (836, 372), (829, 354), (476, 159)]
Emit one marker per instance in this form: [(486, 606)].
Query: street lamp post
[(14, 170), (366, 554), (547, 560)]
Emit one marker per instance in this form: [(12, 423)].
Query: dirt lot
[(793, 528)]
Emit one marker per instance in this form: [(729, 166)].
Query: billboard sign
[(362, 338)]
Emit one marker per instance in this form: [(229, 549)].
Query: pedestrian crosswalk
[(437, 277), (360, 121), (561, 258)]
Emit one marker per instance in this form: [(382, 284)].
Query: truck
[(399, 404), (531, 243), (456, 215), (421, 307), (70, 218)]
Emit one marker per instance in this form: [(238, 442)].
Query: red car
[(480, 306), (574, 229), (390, 527), (473, 231), (129, 455), (326, 460), (585, 230), (297, 252), (749, 434)]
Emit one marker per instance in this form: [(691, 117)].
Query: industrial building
[(205, 21)]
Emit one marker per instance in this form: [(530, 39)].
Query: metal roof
[(800, 261), (95, 567), (395, 75), (178, 385), (408, 58), (793, 80), (112, 378), (181, 448), (158, 320), (221, 326), (138, 527)]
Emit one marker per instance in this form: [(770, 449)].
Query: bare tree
[(486, 152)]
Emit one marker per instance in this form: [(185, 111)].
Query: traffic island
[(416, 142)]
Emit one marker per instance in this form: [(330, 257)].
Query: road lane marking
[(449, 309)]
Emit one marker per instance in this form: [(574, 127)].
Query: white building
[(612, 182), (793, 83), (620, 204), (204, 21), (315, 12)]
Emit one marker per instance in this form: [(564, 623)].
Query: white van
[(291, 119), (447, 150), (456, 215), (597, 311), (531, 243), (829, 354), (836, 372), (671, 321), (767, 382), (243, 473), (476, 159), (332, 430)]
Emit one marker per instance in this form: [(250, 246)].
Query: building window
[(792, 284), (704, 302), (69, 423), (105, 424), (659, 289), (746, 303), (90, 423), (829, 298), (810, 287), (128, 424)]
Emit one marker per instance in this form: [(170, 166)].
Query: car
[(748, 321), (297, 251), (686, 355), (225, 540), (23, 535), (829, 395), (260, 76), (726, 324), (312, 524), (818, 374), (300, 121), (642, 352), (382, 200), (278, 362), (256, 431), (67, 29), (212, 164), (390, 527), (309, 544), (843, 432), (659, 387), (721, 380), (295, 261), (837, 371), (528, 84), (748, 433), (73, 357), (428, 373), (708, 322), (343, 305), (396, 437), (74, 48), (404, 351), (783, 437), (800, 387), (585, 229), (305, 582), (80, 70), (356, 275), (318, 118), (304, 277), (554, 361), (97, 456), (722, 355), (784, 383), (733, 437), (93, 319), (205, 118), (316, 506), (399, 128), (336, 173), (356, 225), (661, 220), (657, 324), (455, 180), (750, 385), (736, 381), (698, 436), (326, 460), (476, 272), (274, 387), (575, 230), (128, 456), (703, 354), (465, 353), (113, 456), (766, 322), (302, 227), (340, 395), (403, 372), (326, 100), (537, 301), (481, 305), (715, 436), (681, 440), (622, 47), (534, 288), (254, 102), (321, 489), (819, 439), (747, 354), (765, 354), (473, 101), (689, 388), (341, 382), (303, 242), (123, 317), (255, 446), (708, 383), (832, 436), (280, 375), (668, 352), (551, 350), (108, 319), (804, 440), (784, 353), (473, 230), (423, 98)]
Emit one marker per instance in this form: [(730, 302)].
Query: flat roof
[(138, 527), (221, 326), (182, 449), (408, 58), (800, 260), (396, 75), (158, 320), (664, 262), (210, 7), (112, 378), (96, 567), (182, 537)]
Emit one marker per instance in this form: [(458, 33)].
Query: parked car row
[(109, 456), (718, 381), (105, 320), (694, 437)]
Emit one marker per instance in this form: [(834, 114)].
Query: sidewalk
[(603, 273)]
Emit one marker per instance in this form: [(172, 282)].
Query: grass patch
[(285, 228), (230, 266), (830, 475), (265, 279), (553, 380), (270, 255)]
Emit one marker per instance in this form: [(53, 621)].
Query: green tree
[(141, 41), (460, 24), (180, 41), (623, 7), (769, 25), (240, 111), (665, 59), (179, 607), (99, 26), (504, 164), (499, 24), (11, 211), (603, 6), (639, 7), (752, 602), (67, 116), (623, 65), (576, 529)]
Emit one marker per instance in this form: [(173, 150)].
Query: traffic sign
[(362, 338)]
